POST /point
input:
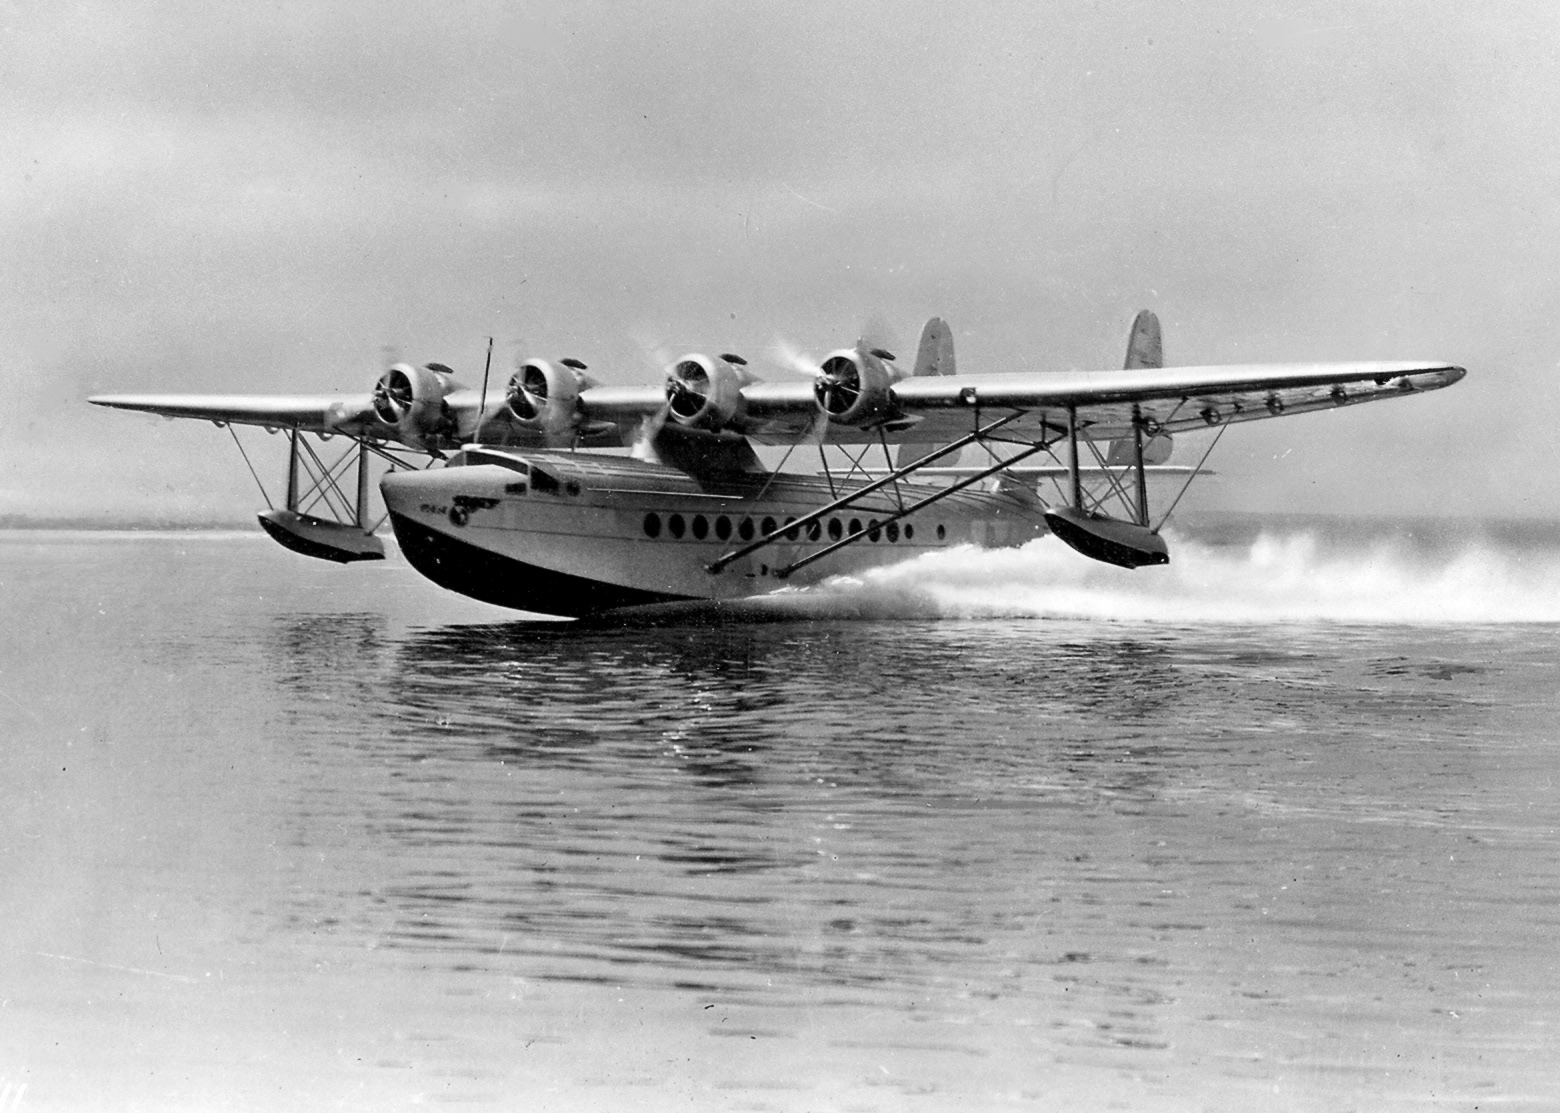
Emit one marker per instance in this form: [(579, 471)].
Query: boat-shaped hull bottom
[(1110, 540), (505, 582), (321, 539)]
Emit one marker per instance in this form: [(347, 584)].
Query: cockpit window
[(471, 457), (544, 483)]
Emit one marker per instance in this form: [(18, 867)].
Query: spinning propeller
[(411, 400), (838, 386), (393, 396), (544, 397), (837, 381), (527, 394), (687, 388)]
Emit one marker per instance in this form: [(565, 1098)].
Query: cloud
[(267, 197)]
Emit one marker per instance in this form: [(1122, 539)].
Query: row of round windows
[(723, 527)]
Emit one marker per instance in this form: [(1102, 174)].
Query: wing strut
[(1137, 464), (1195, 472), (320, 519), (1125, 542), (906, 511), (790, 528)]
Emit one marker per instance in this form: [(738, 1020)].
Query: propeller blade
[(792, 358), (650, 427), (878, 336)]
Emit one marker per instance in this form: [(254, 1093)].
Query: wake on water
[(1304, 575)]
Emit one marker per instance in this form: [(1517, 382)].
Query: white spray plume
[(1275, 578)]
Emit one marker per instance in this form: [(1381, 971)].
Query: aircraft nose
[(442, 498), (403, 491), (426, 496)]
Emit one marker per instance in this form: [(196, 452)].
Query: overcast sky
[(269, 197)]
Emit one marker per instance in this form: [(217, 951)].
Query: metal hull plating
[(561, 534)]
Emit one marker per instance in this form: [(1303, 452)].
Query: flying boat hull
[(561, 534)]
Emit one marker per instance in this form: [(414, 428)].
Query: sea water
[(1274, 827)]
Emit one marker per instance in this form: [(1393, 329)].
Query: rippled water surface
[(287, 836)]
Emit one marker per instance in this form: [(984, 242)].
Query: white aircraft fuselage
[(572, 534)]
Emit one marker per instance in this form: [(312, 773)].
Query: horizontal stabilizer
[(1111, 540), (317, 537)]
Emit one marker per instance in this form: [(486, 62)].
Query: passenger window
[(745, 530), (835, 529), (892, 529), (872, 530), (723, 527), (674, 525), (701, 527), (652, 525)]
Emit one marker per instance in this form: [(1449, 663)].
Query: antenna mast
[(482, 405)]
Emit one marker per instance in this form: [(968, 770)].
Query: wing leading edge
[(1168, 400), (327, 413), (918, 408), (1177, 399)]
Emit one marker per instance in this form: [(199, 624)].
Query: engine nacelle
[(854, 387), (411, 400), (705, 392), (545, 397)]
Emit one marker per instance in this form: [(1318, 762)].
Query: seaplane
[(558, 494)]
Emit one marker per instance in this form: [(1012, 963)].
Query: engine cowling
[(411, 400), (854, 387), (705, 392), (545, 397)]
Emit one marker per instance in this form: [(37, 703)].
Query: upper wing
[(918, 408), (1169, 400), (326, 413), (1175, 399), (444, 418)]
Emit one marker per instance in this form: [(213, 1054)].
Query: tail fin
[(934, 356), (1145, 349)]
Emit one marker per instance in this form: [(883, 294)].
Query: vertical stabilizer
[(934, 356), (1145, 349)]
